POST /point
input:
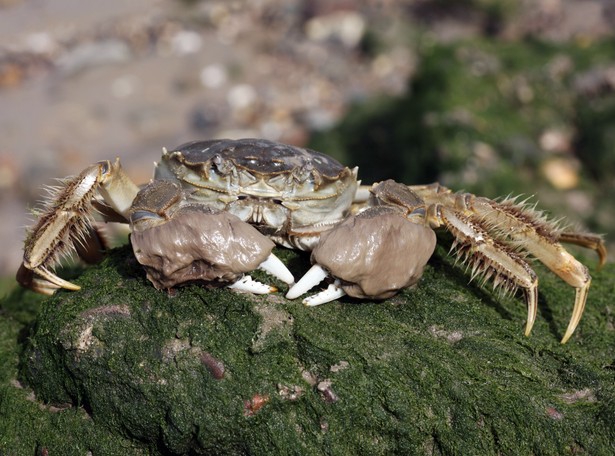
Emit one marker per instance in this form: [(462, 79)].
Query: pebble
[(93, 54), (346, 27), (556, 140), (213, 76), (561, 172), (241, 96), (186, 42)]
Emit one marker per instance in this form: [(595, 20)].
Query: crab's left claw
[(178, 243), (371, 255)]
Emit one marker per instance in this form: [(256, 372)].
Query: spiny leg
[(529, 230), (65, 223), (487, 257), (594, 242)]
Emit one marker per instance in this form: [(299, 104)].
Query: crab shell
[(288, 193)]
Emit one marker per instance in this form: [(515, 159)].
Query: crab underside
[(215, 209)]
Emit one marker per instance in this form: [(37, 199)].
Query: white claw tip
[(248, 285), (274, 266), (333, 292), (311, 278)]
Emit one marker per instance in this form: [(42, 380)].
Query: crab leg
[(589, 241), (67, 222), (526, 228), (487, 257)]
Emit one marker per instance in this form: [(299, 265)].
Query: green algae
[(28, 426), (441, 369)]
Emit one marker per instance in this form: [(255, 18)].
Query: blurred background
[(493, 97)]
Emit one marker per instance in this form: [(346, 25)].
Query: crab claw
[(332, 292), (371, 255), (313, 277), (248, 285), (274, 266), (178, 243)]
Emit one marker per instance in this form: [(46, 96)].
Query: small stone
[(583, 395), (556, 140), (347, 27), (255, 404), (291, 393), (124, 86), (342, 365), (186, 42), (241, 96), (554, 414), (93, 54), (562, 173), (214, 366), (41, 43), (324, 387), (213, 76)]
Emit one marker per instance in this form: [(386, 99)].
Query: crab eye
[(105, 167), (277, 201), (242, 197)]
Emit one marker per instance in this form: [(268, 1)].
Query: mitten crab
[(215, 209)]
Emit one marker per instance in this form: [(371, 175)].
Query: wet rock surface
[(442, 369)]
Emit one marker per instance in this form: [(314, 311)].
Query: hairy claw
[(531, 299), (42, 281)]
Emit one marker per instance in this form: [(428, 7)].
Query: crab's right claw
[(371, 255), (312, 278)]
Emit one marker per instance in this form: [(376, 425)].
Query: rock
[(442, 369), (93, 54)]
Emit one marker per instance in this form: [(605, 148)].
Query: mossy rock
[(440, 369)]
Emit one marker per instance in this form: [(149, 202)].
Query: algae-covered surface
[(29, 426), (120, 368)]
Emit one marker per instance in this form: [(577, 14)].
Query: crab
[(215, 209)]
